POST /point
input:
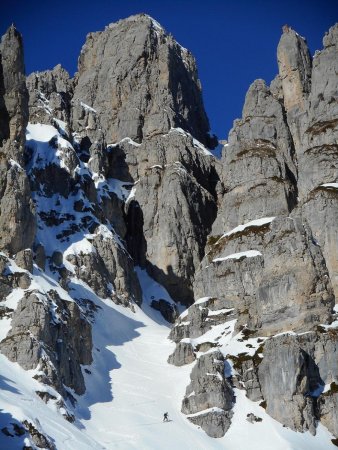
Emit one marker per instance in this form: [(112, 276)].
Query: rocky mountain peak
[(331, 37), (50, 93), (140, 81), (294, 61), (116, 219), (14, 103)]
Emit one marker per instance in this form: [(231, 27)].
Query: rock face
[(114, 172), (259, 171), (57, 344), (293, 374), (318, 153), (17, 222), (183, 354), (14, 102), (174, 206), (270, 264), (139, 81), (289, 374), (208, 399), (50, 93), (137, 87), (273, 274), (294, 61)]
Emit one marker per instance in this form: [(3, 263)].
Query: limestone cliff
[(112, 169), (270, 259)]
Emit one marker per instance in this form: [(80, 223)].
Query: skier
[(165, 417)]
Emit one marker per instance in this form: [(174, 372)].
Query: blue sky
[(234, 42)]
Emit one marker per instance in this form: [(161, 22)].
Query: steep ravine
[(119, 229)]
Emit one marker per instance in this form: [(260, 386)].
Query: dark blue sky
[(234, 42)]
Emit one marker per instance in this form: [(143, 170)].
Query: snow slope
[(129, 387)]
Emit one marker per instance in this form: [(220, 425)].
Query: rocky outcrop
[(14, 102), (17, 222), (50, 93), (51, 335), (259, 172), (294, 61), (318, 153), (293, 374), (328, 409), (312, 115), (108, 270), (272, 273), (287, 376), (167, 310), (17, 219), (24, 259), (200, 317), (209, 396), (139, 81), (183, 354), (271, 256), (11, 279), (173, 205)]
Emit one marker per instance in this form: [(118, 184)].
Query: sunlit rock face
[(112, 202), (17, 221), (140, 82)]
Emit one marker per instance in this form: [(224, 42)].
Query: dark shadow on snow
[(12, 432), (115, 329), (5, 386)]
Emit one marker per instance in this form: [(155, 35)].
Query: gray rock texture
[(312, 115), (328, 406), (246, 373), (209, 389), (284, 287), (318, 153), (174, 206), (287, 375), (17, 218), (280, 275), (13, 92), (17, 222), (50, 334), (259, 171), (24, 259), (200, 318), (50, 93), (292, 376), (139, 82), (108, 270), (294, 61), (11, 279), (183, 354), (168, 311)]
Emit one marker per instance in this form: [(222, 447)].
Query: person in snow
[(165, 417)]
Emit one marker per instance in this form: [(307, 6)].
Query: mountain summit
[(141, 82)]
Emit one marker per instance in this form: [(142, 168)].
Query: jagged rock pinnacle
[(140, 81)]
